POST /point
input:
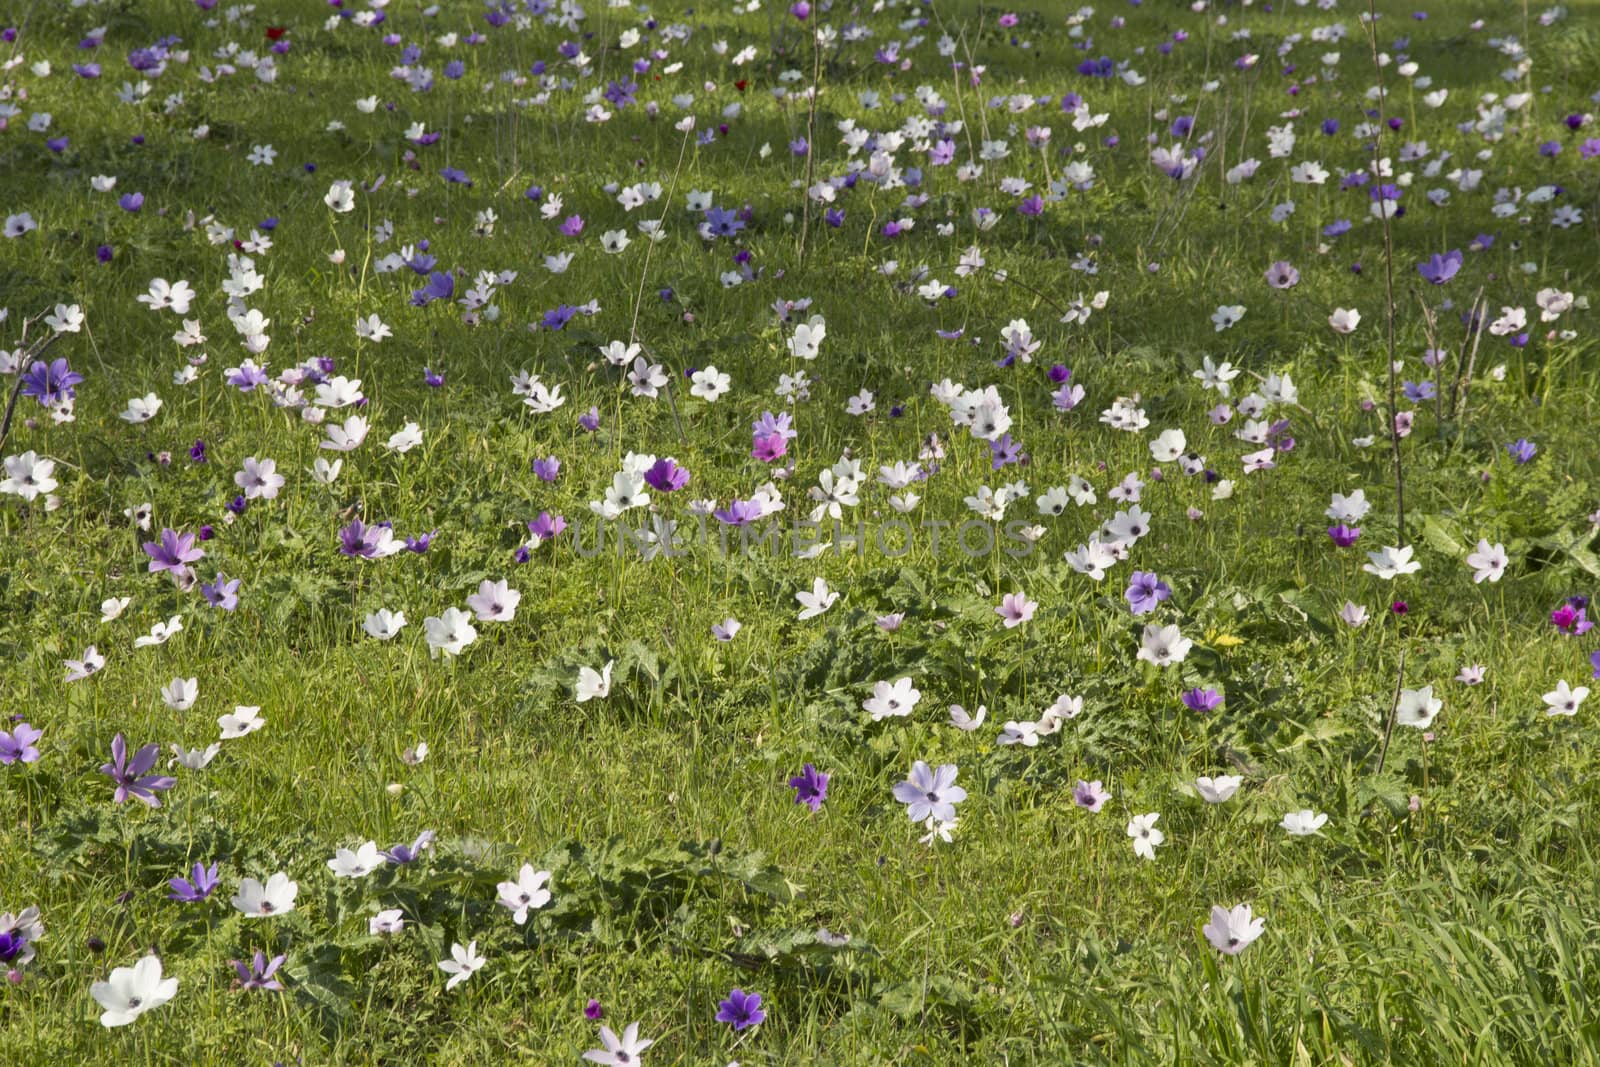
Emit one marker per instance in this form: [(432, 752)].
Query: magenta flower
[(1570, 620), (770, 448)]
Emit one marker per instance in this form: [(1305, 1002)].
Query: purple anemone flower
[(741, 1010), (1145, 591), (1522, 450), (665, 475), (811, 787), (1440, 269), (1090, 795), (441, 286), (738, 513), (195, 888), (1202, 700), (132, 776), (174, 552), (20, 745), (558, 317), (1004, 452), (402, 853), (248, 377), (257, 974), (221, 593), (50, 383), (365, 542), (547, 526), (12, 944), (1344, 536), (1571, 620)]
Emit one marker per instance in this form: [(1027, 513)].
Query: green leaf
[(1439, 537), (1574, 547)]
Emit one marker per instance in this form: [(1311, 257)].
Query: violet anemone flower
[(174, 552), (258, 973), (197, 887), (50, 383), (132, 776)]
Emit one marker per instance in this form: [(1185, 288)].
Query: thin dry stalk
[(811, 141), (1475, 327), (25, 357)]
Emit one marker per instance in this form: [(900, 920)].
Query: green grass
[(1457, 933)]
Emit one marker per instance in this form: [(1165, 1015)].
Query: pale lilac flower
[(1090, 795), (931, 793), (258, 974), (494, 601), (527, 893), (1015, 609)]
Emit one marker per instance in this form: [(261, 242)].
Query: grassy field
[(1442, 914)]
